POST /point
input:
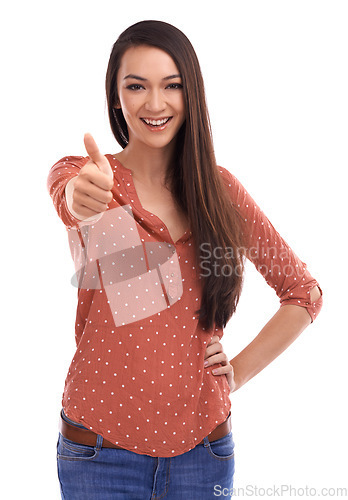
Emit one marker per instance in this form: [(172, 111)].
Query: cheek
[(180, 104), (128, 104), (129, 110)]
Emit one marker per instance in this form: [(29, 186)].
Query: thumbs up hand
[(89, 192), (97, 158)]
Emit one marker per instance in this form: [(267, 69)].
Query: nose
[(155, 101)]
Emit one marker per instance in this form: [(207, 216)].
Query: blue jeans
[(97, 473)]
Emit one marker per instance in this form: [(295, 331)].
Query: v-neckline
[(149, 215)]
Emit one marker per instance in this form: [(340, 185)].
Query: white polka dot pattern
[(140, 381), (270, 254)]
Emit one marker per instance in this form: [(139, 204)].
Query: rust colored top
[(137, 375)]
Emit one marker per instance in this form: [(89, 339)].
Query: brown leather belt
[(89, 438)]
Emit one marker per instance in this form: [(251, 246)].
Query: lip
[(154, 128)]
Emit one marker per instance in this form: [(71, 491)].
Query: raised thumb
[(96, 156)]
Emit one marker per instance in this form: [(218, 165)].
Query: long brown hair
[(196, 182)]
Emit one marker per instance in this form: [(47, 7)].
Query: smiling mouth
[(156, 123)]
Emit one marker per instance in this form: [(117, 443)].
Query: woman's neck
[(148, 165)]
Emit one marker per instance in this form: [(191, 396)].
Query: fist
[(90, 191)]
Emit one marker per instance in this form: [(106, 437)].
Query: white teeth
[(155, 122)]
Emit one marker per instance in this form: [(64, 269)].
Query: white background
[(276, 81)]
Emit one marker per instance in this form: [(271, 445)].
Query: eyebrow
[(136, 77)]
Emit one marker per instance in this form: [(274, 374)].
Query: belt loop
[(99, 443), (206, 442)]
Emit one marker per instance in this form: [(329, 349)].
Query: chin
[(160, 143)]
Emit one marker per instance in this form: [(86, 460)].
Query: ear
[(117, 105)]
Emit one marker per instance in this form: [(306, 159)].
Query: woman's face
[(150, 92)]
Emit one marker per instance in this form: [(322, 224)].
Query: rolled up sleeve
[(58, 177), (273, 258)]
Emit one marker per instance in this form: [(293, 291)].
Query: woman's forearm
[(280, 331)]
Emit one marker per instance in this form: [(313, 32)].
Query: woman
[(138, 395)]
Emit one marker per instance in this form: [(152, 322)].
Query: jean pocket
[(223, 448), (69, 450)]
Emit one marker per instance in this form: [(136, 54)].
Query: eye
[(135, 86), (175, 86)]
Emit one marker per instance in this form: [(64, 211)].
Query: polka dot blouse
[(137, 375)]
